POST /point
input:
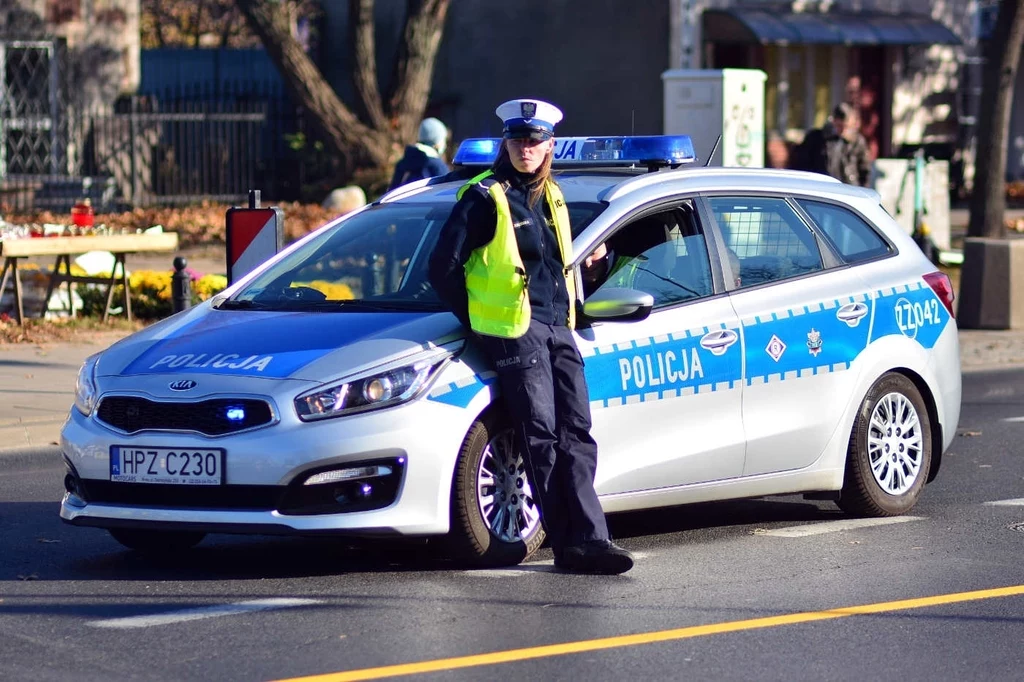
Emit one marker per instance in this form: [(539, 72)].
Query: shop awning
[(768, 27)]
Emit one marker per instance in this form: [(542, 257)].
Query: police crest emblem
[(528, 109), (814, 342)]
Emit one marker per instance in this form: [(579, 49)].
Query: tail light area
[(943, 288)]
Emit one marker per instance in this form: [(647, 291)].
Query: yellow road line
[(652, 637)]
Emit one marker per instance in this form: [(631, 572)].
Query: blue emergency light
[(646, 150)]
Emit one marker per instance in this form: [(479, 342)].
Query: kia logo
[(182, 385)]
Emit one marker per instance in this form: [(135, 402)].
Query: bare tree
[(389, 118), (988, 200)]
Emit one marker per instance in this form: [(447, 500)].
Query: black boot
[(600, 557)]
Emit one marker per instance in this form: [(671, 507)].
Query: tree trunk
[(356, 144), (988, 200), (364, 68), (414, 68)]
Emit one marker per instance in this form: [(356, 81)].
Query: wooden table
[(11, 250)]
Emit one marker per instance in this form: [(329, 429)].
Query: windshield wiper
[(359, 305), (243, 304)]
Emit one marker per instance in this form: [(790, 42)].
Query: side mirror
[(618, 304)]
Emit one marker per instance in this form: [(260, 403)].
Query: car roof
[(610, 184)]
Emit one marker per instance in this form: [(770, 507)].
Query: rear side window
[(851, 235), (766, 239)]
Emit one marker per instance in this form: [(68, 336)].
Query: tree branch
[(988, 199), (364, 66), (414, 68), (199, 22), (354, 142)]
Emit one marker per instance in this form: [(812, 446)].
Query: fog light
[(349, 474)]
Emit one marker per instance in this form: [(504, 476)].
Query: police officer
[(501, 266), (423, 159)]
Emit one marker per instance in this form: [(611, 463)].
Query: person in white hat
[(502, 266), (423, 159)]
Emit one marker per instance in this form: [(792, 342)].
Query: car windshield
[(374, 261)]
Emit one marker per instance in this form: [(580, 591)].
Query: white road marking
[(835, 526), (1019, 502), (1014, 419), (200, 613)]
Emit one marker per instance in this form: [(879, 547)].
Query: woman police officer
[(501, 266)]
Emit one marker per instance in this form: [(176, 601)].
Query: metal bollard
[(181, 286)]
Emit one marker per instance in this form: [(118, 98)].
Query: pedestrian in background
[(501, 265), (423, 159), (837, 149)]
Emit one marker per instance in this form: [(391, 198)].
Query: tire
[(890, 450), (156, 542), (485, 531)]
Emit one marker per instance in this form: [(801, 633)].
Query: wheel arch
[(933, 417)]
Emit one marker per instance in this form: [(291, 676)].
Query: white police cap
[(530, 118)]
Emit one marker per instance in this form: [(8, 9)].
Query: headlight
[(85, 387), (382, 389)]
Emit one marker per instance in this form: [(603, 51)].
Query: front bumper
[(424, 435)]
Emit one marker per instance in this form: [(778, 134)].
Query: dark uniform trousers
[(541, 379)]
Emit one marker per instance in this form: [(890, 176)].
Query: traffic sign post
[(253, 235)]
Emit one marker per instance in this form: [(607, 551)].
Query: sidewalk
[(37, 382)]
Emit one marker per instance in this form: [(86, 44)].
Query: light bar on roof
[(646, 150)]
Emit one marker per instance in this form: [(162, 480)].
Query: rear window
[(851, 235)]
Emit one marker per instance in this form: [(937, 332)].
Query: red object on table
[(82, 214)]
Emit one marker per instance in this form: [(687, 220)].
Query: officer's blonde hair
[(503, 166)]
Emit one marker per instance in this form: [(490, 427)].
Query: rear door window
[(853, 238), (766, 238)]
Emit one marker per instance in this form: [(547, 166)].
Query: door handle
[(851, 313), (718, 341)]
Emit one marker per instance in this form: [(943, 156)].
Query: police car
[(753, 332)]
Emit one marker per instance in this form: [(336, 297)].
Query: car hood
[(276, 345)]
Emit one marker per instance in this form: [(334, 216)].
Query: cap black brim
[(527, 134)]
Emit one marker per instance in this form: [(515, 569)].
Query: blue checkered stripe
[(792, 343), (659, 367), (461, 392), (804, 340), (911, 310)]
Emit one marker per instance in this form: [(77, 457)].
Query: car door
[(665, 391), (804, 321)]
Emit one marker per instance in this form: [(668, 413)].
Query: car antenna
[(632, 121), (713, 150)]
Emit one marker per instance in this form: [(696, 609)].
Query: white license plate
[(175, 466)]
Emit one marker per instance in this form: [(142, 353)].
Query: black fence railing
[(147, 151), (135, 156)]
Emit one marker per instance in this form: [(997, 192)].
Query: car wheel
[(495, 518), (890, 450), (156, 541)]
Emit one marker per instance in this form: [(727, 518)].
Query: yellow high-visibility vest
[(496, 282)]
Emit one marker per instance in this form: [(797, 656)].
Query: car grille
[(214, 417), (241, 497)]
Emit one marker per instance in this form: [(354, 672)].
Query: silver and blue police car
[(751, 332)]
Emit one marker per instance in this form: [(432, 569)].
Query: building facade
[(913, 67)]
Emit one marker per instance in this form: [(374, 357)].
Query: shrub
[(151, 294)]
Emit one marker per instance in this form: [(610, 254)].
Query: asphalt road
[(771, 589)]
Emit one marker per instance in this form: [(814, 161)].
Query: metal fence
[(180, 146), (135, 157)]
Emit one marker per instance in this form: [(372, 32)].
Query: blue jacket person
[(501, 265), (423, 159)]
